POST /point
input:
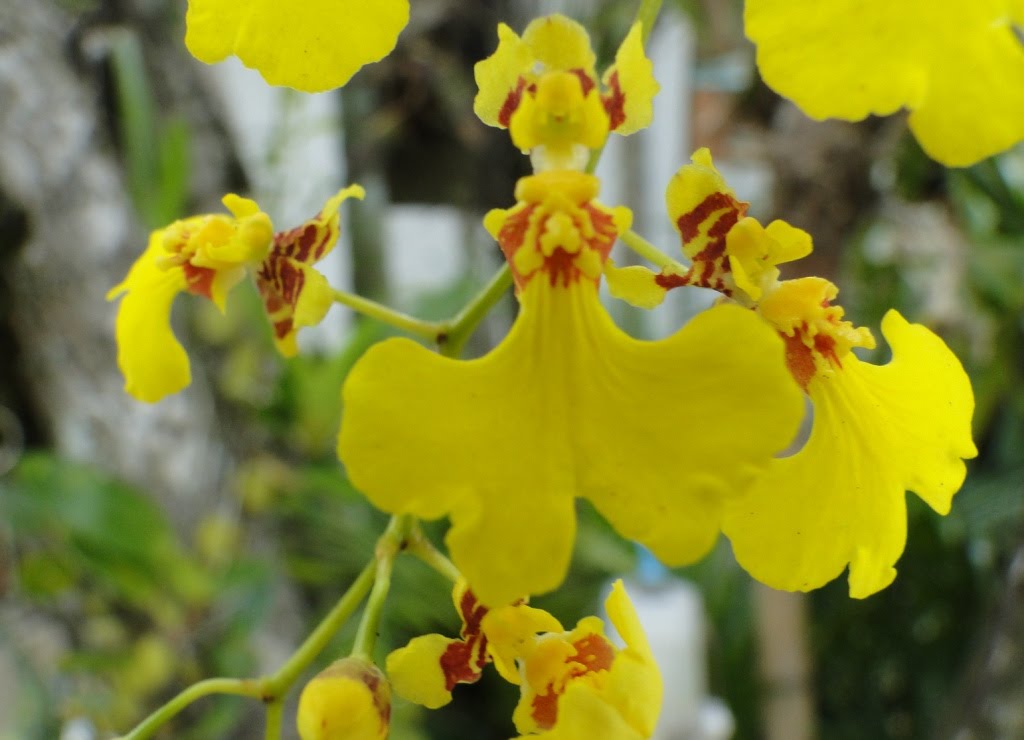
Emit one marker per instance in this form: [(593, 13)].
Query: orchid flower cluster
[(673, 441)]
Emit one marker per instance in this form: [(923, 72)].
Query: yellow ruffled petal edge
[(957, 66), (312, 46), (878, 432), (567, 406), (153, 362)]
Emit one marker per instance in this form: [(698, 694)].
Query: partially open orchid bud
[(348, 700)]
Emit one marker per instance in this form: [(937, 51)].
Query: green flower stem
[(425, 329), (281, 681), (275, 710), (424, 549), (394, 540), (647, 13), (650, 252), (270, 689), (454, 333), (236, 686)]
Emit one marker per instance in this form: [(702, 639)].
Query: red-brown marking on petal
[(464, 660), (472, 612), (689, 223), (306, 243), (587, 83), (511, 103), (561, 267), (280, 282), (799, 359), (199, 280), (711, 264), (459, 665), (544, 709), (283, 328), (826, 347), (593, 653), (615, 102), (668, 281)]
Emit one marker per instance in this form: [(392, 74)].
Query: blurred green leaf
[(156, 155)]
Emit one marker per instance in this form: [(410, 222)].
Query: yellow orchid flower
[(314, 45), (427, 669), (957, 66), (878, 431), (731, 252), (207, 256), (655, 434), (349, 699), (543, 87), (574, 685), (577, 685)]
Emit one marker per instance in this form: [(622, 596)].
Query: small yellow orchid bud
[(348, 700)]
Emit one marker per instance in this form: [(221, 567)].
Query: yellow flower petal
[(416, 674), (508, 629), (294, 294), (818, 339), (578, 685), (631, 85), (205, 255), (635, 284), (553, 43), (957, 66), (878, 432), (560, 117), (312, 46), (560, 43), (634, 682), (498, 78), (588, 717), (654, 433), (788, 243), (731, 252), (153, 362)]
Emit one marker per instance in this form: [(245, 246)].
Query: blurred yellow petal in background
[(311, 46)]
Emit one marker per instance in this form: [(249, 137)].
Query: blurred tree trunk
[(69, 233)]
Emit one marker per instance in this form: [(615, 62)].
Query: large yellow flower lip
[(312, 46), (878, 432), (956, 66), (566, 406)]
